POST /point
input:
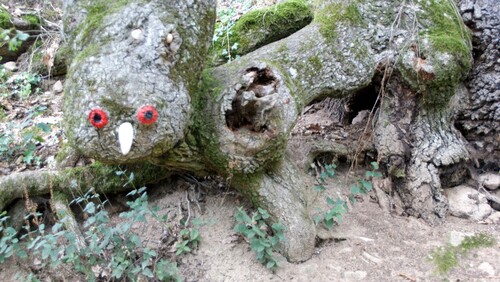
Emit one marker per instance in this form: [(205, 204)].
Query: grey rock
[(466, 202), (58, 87), (486, 268), (490, 180), (494, 218), (456, 237), (355, 275), (10, 66)]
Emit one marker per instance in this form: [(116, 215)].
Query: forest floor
[(370, 244)]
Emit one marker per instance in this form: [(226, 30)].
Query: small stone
[(490, 180), (137, 34), (486, 268), (169, 38), (466, 202), (362, 115), (345, 250), (10, 66), (372, 258), (355, 275), (19, 160), (51, 162), (37, 262), (58, 87), (456, 237), (494, 218), (495, 205), (477, 11)]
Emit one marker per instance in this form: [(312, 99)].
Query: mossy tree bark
[(238, 120)]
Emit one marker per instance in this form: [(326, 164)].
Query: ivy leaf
[(367, 185), (355, 190), (278, 227), (271, 264), (264, 213), (22, 35), (240, 228), (257, 246), (317, 219), (242, 216), (330, 201), (319, 188), (43, 126), (329, 223)]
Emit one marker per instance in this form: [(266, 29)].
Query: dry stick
[(180, 213), (51, 193), (196, 196), (228, 45), (407, 277), (488, 195), (188, 209)]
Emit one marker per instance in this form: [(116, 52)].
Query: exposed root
[(63, 212), (103, 178)]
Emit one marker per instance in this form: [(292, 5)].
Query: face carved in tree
[(125, 102)]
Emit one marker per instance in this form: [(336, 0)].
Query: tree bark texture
[(236, 119), (479, 118)]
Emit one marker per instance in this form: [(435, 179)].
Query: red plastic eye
[(98, 118), (147, 114)]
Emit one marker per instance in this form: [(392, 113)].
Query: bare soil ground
[(370, 245)]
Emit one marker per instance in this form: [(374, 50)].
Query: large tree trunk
[(237, 122), (479, 116)]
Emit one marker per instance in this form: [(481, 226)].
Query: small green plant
[(364, 185), (21, 86), (13, 37), (102, 251), (264, 239), (21, 138), (338, 207), (190, 240), (446, 258), (227, 17)]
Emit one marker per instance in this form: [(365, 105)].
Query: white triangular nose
[(125, 137)]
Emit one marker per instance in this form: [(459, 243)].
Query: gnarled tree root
[(103, 178)]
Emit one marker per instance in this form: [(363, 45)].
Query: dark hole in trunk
[(252, 105), (362, 101)]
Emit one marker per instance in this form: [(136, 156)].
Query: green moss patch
[(332, 15), (95, 15), (444, 55), (32, 19), (5, 19), (446, 258), (202, 134), (263, 26), (448, 33), (315, 62)]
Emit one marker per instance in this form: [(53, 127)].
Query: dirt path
[(370, 245)]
